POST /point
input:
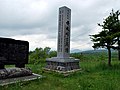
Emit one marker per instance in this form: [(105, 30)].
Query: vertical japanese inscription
[(60, 31), (67, 32), (64, 32)]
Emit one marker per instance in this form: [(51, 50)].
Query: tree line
[(40, 54)]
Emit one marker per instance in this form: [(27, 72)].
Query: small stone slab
[(19, 79)]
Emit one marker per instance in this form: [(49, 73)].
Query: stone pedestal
[(62, 64)]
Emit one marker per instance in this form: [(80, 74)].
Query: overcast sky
[(37, 20)]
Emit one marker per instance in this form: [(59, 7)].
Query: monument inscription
[(64, 32), (63, 61)]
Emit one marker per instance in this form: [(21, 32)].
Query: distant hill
[(75, 51), (94, 51), (90, 51), (98, 51), (87, 51)]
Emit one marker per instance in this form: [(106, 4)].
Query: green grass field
[(95, 75)]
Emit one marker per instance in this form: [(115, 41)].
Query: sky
[(36, 21)]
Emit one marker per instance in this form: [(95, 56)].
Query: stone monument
[(63, 61), (14, 52)]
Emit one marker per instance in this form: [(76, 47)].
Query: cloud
[(37, 20), (39, 40)]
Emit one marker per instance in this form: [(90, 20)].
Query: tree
[(39, 54), (112, 24), (35, 55), (110, 34), (52, 54), (101, 40), (46, 51)]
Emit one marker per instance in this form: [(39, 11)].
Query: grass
[(95, 75)]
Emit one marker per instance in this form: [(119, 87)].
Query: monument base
[(14, 75), (8, 81), (62, 64)]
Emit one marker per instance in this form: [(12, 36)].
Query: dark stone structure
[(13, 52)]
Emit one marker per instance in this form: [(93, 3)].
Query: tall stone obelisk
[(64, 23), (63, 62)]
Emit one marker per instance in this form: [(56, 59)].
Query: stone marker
[(14, 52), (63, 61)]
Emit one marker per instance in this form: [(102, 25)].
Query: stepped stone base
[(14, 75), (8, 81), (62, 64)]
